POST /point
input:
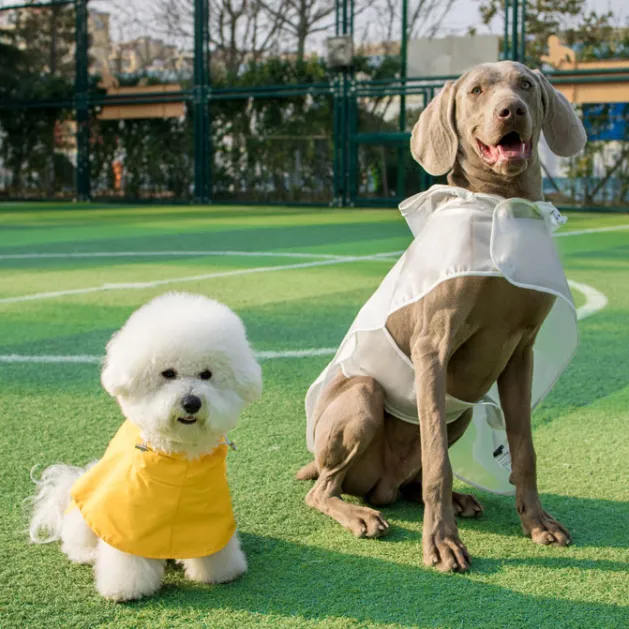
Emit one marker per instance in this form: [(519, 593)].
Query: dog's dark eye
[(169, 374), (477, 90), (205, 375), (526, 84)]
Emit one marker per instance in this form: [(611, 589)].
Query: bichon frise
[(181, 370)]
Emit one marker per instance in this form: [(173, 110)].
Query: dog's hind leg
[(78, 542), (124, 577), (221, 567), (347, 426)]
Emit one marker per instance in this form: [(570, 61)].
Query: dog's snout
[(510, 110), (191, 403)]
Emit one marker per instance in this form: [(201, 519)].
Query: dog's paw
[(366, 522), (466, 506), (442, 547), (120, 596), (221, 567), (544, 529), (122, 577)]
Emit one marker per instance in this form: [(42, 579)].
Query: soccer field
[(71, 275)]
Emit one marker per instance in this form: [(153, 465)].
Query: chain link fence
[(238, 102)]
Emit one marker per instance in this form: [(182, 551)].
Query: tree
[(240, 30), (382, 21), (299, 19), (38, 52), (592, 34)]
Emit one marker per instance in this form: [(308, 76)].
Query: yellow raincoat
[(156, 505)]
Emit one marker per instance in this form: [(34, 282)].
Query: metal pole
[(351, 17), (515, 47), (523, 33), (350, 147), (505, 43), (401, 152), (343, 117), (208, 99), (200, 104), (81, 96), (336, 119)]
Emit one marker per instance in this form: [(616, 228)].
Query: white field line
[(90, 358), (594, 230), (594, 302), (252, 254), (192, 278), (153, 254), (594, 299), (298, 353), (78, 358)]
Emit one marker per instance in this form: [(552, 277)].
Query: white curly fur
[(188, 334)]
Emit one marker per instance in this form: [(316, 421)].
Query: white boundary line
[(594, 230), (594, 299), (193, 278), (594, 302), (93, 359), (78, 358), (153, 254), (252, 254)]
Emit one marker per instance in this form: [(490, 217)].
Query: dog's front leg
[(221, 567), (442, 547), (124, 577), (514, 386)]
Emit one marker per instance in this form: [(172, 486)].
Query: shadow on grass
[(294, 581), (591, 522)]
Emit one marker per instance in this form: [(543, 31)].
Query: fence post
[(402, 150), (343, 90), (81, 102), (522, 57), (515, 31), (505, 41), (514, 44), (201, 104)]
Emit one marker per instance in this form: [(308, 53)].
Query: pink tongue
[(511, 151)]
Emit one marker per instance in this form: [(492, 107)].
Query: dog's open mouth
[(511, 147), (188, 419)]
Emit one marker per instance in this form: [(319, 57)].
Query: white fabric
[(458, 233)]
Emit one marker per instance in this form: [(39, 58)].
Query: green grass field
[(305, 570)]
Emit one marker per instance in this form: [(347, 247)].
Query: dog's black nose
[(191, 403)]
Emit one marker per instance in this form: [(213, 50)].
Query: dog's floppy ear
[(434, 142), (248, 375), (562, 128), (115, 378)]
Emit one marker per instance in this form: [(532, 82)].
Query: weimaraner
[(464, 336)]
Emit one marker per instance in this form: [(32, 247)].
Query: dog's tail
[(50, 501), (308, 472)]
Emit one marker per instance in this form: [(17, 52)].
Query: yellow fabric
[(157, 505)]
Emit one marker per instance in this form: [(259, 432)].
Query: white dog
[(181, 370)]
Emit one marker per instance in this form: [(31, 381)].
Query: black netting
[(144, 158), (273, 149), (37, 153)]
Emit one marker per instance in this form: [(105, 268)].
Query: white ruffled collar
[(419, 207)]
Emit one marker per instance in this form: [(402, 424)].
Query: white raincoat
[(458, 233)]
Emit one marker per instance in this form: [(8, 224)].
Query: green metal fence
[(320, 137)]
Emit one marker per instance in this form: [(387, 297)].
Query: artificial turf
[(305, 570)]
